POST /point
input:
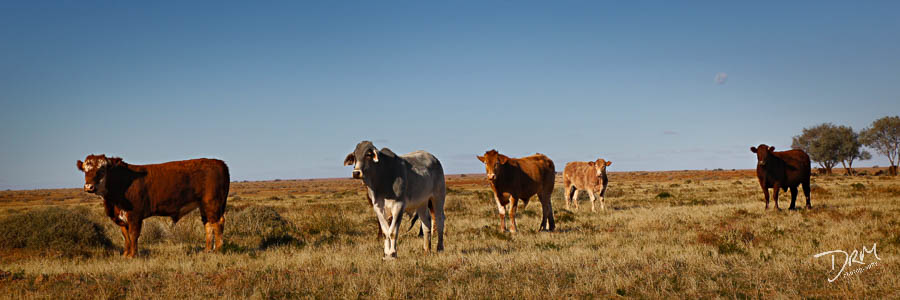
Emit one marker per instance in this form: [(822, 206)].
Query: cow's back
[(167, 187), (797, 166), (580, 174), (425, 173), (538, 168)]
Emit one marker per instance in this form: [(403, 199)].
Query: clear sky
[(283, 90)]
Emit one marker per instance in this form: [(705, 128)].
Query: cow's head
[(362, 159), (600, 166), (763, 152), (492, 161), (96, 168)]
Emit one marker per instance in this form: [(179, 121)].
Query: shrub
[(155, 230), (60, 230), (858, 186), (258, 227), (663, 195)]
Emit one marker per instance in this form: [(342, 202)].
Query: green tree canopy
[(850, 148), (823, 144), (883, 136)]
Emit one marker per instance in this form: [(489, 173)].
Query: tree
[(884, 137), (850, 148), (822, 143)]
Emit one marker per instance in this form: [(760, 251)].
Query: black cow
[(782, 170)]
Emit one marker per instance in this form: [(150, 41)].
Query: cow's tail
[(571, 192), (412, 222)]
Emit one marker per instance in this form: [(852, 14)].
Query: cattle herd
[(411, 184)]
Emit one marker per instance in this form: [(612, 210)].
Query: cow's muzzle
[(90, 188), (762, 163), (357, 174), (491, 176)]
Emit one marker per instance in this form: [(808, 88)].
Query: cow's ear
[(753, 149), (114, 161), (590, 163), (771, 149), (608, 163), (503, 159), (374, 155), (481, 158), (350, 159), (80, 165)]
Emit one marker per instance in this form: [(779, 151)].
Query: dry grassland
[(681, 234)]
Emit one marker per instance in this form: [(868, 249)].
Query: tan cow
[(588, 176)]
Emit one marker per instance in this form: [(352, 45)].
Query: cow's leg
[(766, 195), (514, 206), (591, 193), (425, 217), (567, 193), (547, 209), (574, 199), (378, 206), (218, 230), (210, 229), (134, 232), (501, 209), (603, 198), (438, 218), (806, 193), (126, 244), (793, 197), (394, 230), (775, 190)]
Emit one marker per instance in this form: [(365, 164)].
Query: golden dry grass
[(710, 239)]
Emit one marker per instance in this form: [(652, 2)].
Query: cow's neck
[(119, 180), (381, 180), (511, 174), (774, 169)]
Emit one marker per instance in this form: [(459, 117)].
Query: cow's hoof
[(391, 256), (792, 208)]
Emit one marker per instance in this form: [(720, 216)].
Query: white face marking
[(123, 216), (89, 165)]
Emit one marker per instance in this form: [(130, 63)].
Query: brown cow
[(782, 170), (132, 193), (514, 179), (589, 176)]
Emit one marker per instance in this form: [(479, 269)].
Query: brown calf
[(132, 193), (514, 179), (589, 176), (782, 170)]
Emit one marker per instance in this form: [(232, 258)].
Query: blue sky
[(286, 89)]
